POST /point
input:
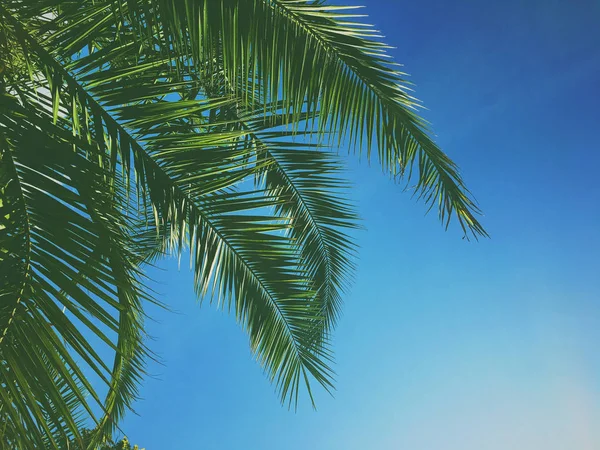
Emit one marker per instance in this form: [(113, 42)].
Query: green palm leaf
[(316, 58), (72, 252)]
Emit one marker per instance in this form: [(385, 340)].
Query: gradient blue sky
[(444, 344)]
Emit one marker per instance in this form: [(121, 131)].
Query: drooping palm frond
[(308, 180), (315, 58), (67, 273)]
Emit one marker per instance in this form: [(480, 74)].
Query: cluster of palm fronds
[(134, 128)]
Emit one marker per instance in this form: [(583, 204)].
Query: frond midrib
[(306, 209), (323, 246), (27, 262)]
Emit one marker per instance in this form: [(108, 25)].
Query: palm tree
[(130, 129)]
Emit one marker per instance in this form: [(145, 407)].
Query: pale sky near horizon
[(444, 344)]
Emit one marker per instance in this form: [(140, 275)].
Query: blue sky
[(444, 344)]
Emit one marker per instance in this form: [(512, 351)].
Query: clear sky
[(444, 344)]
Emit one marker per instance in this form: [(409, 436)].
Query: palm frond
[(66, 247), (316, 58)]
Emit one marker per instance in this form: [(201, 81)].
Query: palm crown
[(134, 128)]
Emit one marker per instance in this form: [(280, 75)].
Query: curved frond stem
[(330, 303), (27, 263)]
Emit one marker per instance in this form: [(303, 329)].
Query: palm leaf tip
[(344, 69)]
